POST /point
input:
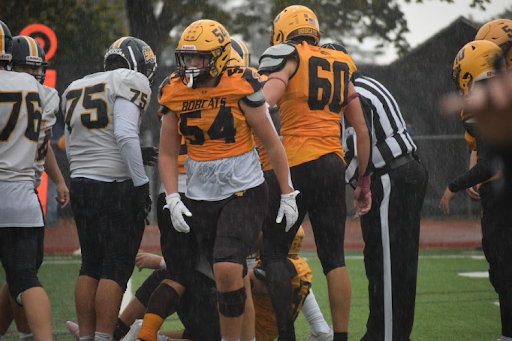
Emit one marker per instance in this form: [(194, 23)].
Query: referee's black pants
[(391, 234)]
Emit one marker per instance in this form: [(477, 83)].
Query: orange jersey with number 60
[(312, 103), (210, 118)]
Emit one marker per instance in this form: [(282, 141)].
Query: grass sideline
[(448, 307)]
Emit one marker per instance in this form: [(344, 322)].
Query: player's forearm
[(281, 168), (168, 166), (52, 168)]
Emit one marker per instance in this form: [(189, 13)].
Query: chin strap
[(191, 73)]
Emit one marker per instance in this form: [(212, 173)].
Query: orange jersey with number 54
[(210, 118), (312, 104)]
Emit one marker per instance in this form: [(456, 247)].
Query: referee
[(391, 229)]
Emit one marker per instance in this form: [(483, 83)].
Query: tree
[(84, 28)]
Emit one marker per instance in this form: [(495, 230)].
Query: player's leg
[(407, 192), (84, 204), (6, 313), (496, 242), (198, 311), (121, 229), (137, 307), (314, 317), (248, 323), (376, 256), (324, 179), (274, 252), (22, 255), (178, 250), (238, 227)]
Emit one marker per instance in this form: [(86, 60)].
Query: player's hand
[(62, 195), (143, 201), (445, 200), (148, 261), (473, 193), (177, 209), (288, 209), (362, 198), (149, 155)]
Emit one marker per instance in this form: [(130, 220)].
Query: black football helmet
[(136, 53), (5, 43), (26, 51)]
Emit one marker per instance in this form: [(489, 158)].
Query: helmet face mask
[(295, 21), (136, 53), (28, 56), (476, 61), (206, 38), (199, 73)]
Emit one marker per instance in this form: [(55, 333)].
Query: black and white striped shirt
[(388, 132)]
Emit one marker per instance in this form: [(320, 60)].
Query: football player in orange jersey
[(311, 87), (216, 108), (301, 277), (478, 62)]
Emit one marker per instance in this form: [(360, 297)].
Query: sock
[(26, 337), (103, 337), (1, 338), (121, 330), (503, 338), (340, 336), (150, 327), (314, 315), (159, 338), (86, 338)]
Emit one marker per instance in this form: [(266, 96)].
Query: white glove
[(178, 209), (288, 209)]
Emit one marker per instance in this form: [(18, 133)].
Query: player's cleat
[(134, 331), (73, 329), (321, 336)]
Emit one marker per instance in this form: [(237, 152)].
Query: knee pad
[(232, 304)]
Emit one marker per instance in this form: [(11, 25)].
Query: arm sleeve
[(478, 174), (126, 131)]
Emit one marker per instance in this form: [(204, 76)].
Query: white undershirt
[(126, 131)]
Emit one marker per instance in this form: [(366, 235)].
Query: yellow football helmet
[(295, 21), (498, 31), (476, 61), (242, 50), (209, 40), (297, 243), (235, 59)]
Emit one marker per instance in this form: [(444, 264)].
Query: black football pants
[(391, 233)]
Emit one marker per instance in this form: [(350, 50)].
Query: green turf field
[(448, 306)]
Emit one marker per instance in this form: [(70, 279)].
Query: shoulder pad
[(164, 83), (274, 58)]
